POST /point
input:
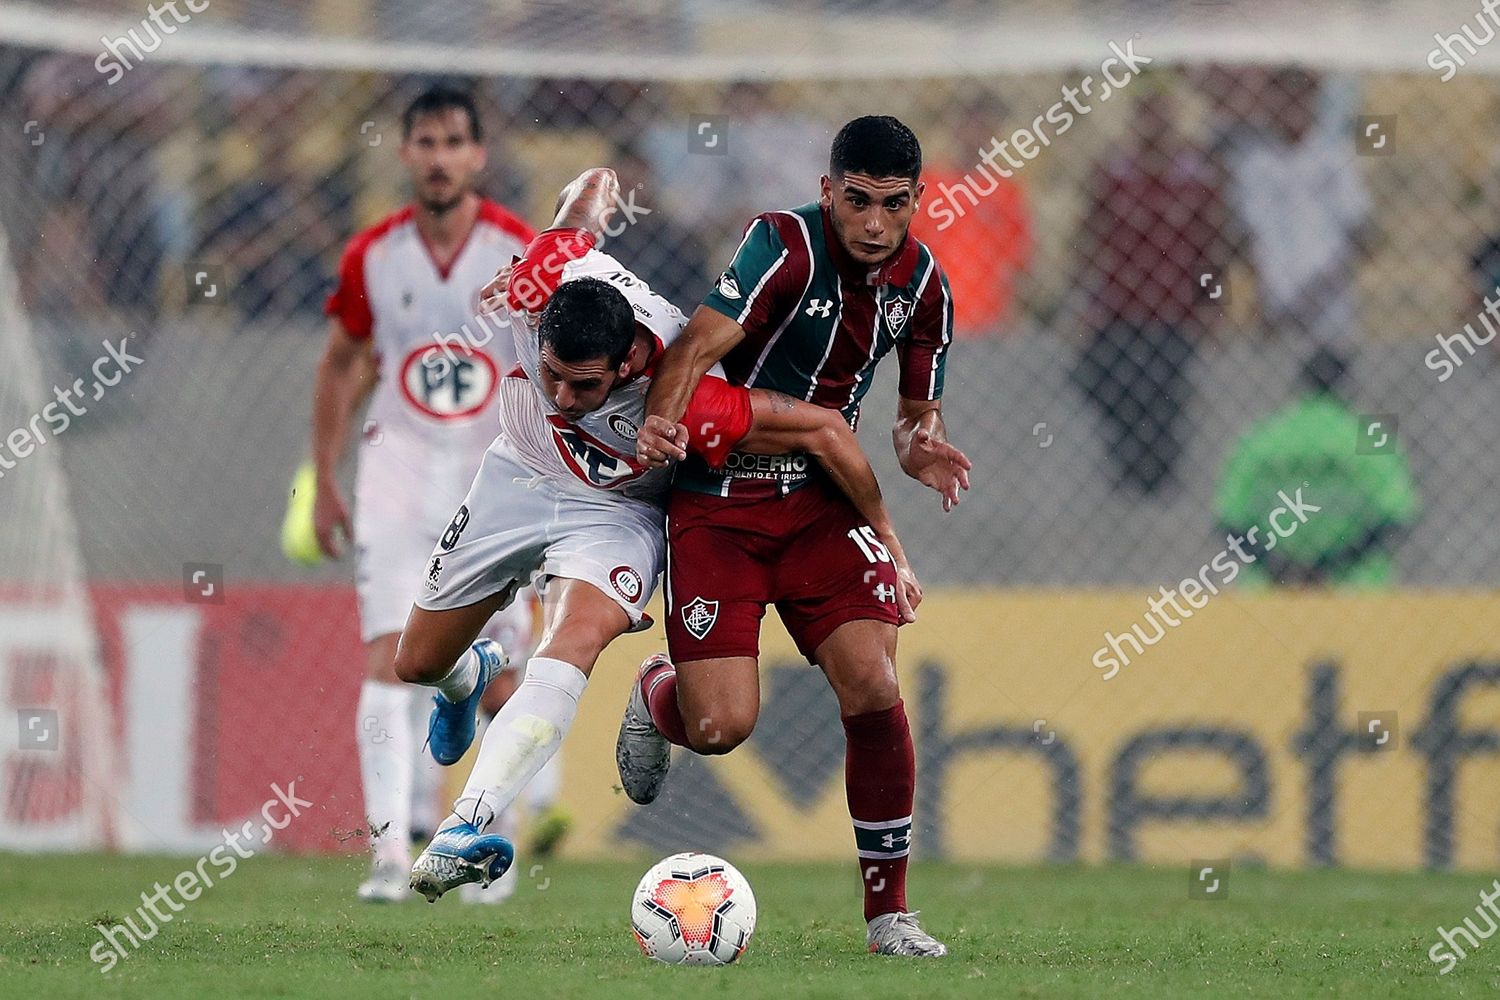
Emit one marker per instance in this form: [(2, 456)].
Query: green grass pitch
[(290, 927)]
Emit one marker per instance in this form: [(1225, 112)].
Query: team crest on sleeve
[(699, 616), (897, 311), (728, 287), (627, 583)]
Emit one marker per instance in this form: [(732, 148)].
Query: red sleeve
[(537, 274), (718, 417), (349, 303)]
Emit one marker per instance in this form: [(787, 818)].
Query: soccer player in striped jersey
[(560, 499), (814, 298)]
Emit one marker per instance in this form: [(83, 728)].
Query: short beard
[(443, 207)]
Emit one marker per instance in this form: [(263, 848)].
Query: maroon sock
[(660, 687), (880, 777)]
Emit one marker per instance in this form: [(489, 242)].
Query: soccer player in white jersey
[(561, 500), (412, 277)]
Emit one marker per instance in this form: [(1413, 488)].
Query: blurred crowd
[(1214, 201)]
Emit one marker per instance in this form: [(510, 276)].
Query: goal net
[(1204, 255)]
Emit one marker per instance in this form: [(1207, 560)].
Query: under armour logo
[(889, 840), (822, 308), (885, 592)]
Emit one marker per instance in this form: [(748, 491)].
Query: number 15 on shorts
[(873, 548)]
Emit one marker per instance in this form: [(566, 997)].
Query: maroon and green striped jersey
[(816, 324)]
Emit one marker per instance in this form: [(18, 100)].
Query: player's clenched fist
[(908, 590), (660, 441), (492, 295), (331, 520)]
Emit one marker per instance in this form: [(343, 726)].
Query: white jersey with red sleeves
[(597, 450), (432, 412), (439, 365)]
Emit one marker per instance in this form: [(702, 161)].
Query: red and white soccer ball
[(693, 909)]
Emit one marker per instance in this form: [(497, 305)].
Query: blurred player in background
[(561, 499), (814, 298), (403, 283)]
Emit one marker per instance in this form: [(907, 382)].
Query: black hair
[(438, 99), (878, 145), (587, 319)]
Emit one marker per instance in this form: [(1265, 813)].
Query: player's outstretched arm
[(922, 447), (344, 379), (781, 424), (708, 336)]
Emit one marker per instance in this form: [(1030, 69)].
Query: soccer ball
[(693, 909)]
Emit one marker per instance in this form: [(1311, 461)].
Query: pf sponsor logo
[(623, 426), (627, 583), (448, 383), (699, 616)]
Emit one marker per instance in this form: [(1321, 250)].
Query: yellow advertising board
[(1293, 729)]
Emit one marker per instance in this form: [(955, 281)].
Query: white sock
[(542, 792), (458, 683), (521, 739), (429, 797), (387, 761)]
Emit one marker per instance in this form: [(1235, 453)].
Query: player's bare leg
[(708, 706), (580, 622), (880, 773), (387, 763)]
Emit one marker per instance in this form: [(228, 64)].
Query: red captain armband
[(718, 417), (537, 274)]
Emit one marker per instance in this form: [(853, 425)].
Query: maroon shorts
[(809, 553)]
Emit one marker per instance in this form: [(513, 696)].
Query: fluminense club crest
[(699, 616), (897, 311)]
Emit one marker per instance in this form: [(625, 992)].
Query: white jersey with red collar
[(597, 450), (439, 366), (432, 412)]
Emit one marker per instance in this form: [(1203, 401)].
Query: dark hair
[(441, 98), (586, 319), (878, 145)]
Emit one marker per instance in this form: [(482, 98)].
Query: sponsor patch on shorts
[(627, 583)]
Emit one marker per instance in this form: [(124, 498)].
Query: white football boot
[(900, 934), (386, 884), (642, 753)]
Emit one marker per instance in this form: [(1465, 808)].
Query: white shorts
[(397, 522), (516, 527)]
